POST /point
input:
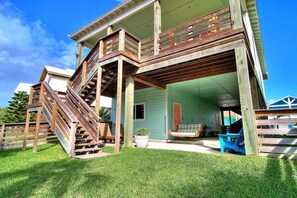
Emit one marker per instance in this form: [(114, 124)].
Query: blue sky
[(34, 33)]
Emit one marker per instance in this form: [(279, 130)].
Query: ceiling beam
[(150, 82)]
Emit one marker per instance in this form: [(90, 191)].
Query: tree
[(17, 108)]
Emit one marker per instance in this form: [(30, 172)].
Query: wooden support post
[(129, 104), (72, 138), (255, 92), (26, 130), (119, 106), (247, 111), (84, 73), (157, 26), (122, 40), (79, 54), (54, 116), (235, 11), (2, 136), (98, 90), (109, 30), (37, 130)]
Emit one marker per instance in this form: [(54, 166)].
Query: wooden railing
[(85, 114), (34, 95), (12, 135), (63, 122), (113, 44), (85, 67), (277, 133), (147, 46), (200, 28)]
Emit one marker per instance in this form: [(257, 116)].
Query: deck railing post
[(122, 40), (157, 26), (2, 136), (79, 54), (236, 16), (72, 138)]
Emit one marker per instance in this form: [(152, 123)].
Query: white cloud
[(28, 45), (25, 47)]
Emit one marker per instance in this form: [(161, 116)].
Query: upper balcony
[(205, 30)]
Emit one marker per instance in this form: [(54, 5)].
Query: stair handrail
[(88, 117), (63, 107), (61, 116)]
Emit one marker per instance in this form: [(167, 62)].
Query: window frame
[(134, 111)]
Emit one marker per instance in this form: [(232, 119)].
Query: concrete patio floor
[(200, 145)]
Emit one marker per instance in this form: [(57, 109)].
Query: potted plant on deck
[(141, 139)]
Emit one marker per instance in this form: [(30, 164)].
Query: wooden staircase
[(88, 91), (73, 121)]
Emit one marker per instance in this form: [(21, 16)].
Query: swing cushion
[(188, 130)]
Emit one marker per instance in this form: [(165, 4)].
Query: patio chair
[(232, 142)]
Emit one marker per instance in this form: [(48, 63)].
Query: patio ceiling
[(220, 90), (174, 12)]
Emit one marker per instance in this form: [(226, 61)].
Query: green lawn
[(143, 173)]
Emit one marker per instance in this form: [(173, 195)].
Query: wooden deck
[(196, 49)]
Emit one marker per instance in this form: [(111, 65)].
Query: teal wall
[(155, 111), (194, 109)]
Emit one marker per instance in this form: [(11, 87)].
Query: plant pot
[(141, 141)]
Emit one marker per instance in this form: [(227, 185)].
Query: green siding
[(155, 111), (194, 109)]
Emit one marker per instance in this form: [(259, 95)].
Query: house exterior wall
[(155, 112), (56, 82), (194, 109)]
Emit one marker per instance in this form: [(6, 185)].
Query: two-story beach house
[(164, 62)]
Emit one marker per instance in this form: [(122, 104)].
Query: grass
[(143, 173)]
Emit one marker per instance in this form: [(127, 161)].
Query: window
[(139, 111)]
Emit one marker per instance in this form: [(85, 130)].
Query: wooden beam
[(129, 106), (79, 54), (255, 92), (236, 16), (37, 127), (26, 130), (98, 90), (157, 26), (150, 82), (119, 106), (248, 115)]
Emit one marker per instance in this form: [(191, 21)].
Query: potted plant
[(141, 139)]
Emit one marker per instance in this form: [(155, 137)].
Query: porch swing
[(188, 130)]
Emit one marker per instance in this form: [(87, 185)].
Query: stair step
[(81, 134), (87, 149), (86, 144)]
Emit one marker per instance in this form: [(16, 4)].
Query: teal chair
[(232, 142)]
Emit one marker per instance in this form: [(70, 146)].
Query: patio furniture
[(187, 130), (232, 142)]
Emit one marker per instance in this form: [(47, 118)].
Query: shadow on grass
[(58, 179)]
